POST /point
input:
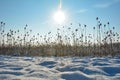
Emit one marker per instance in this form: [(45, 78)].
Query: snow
[(59, 68)]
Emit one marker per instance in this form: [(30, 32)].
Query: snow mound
[(59, 68)]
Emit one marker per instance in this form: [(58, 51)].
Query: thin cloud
[(106, 5), (82, 11)]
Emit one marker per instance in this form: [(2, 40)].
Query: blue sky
[(38, 14)]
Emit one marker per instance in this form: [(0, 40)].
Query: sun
[(59, 17)]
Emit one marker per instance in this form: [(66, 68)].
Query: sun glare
[(59, 17)]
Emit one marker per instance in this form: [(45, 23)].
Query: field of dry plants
[(102, 41)]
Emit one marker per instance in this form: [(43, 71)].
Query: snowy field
[(56, 68)]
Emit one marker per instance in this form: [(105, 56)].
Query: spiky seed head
[(97, 18)]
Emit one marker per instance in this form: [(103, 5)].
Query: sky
[(38, 14)]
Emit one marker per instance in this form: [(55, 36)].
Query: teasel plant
[(94, 38), (25, 39), (110, 39), (2, 31)]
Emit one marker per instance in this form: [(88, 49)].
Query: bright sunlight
[(59, 17)]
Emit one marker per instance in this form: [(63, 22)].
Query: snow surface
[(59, 68)]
